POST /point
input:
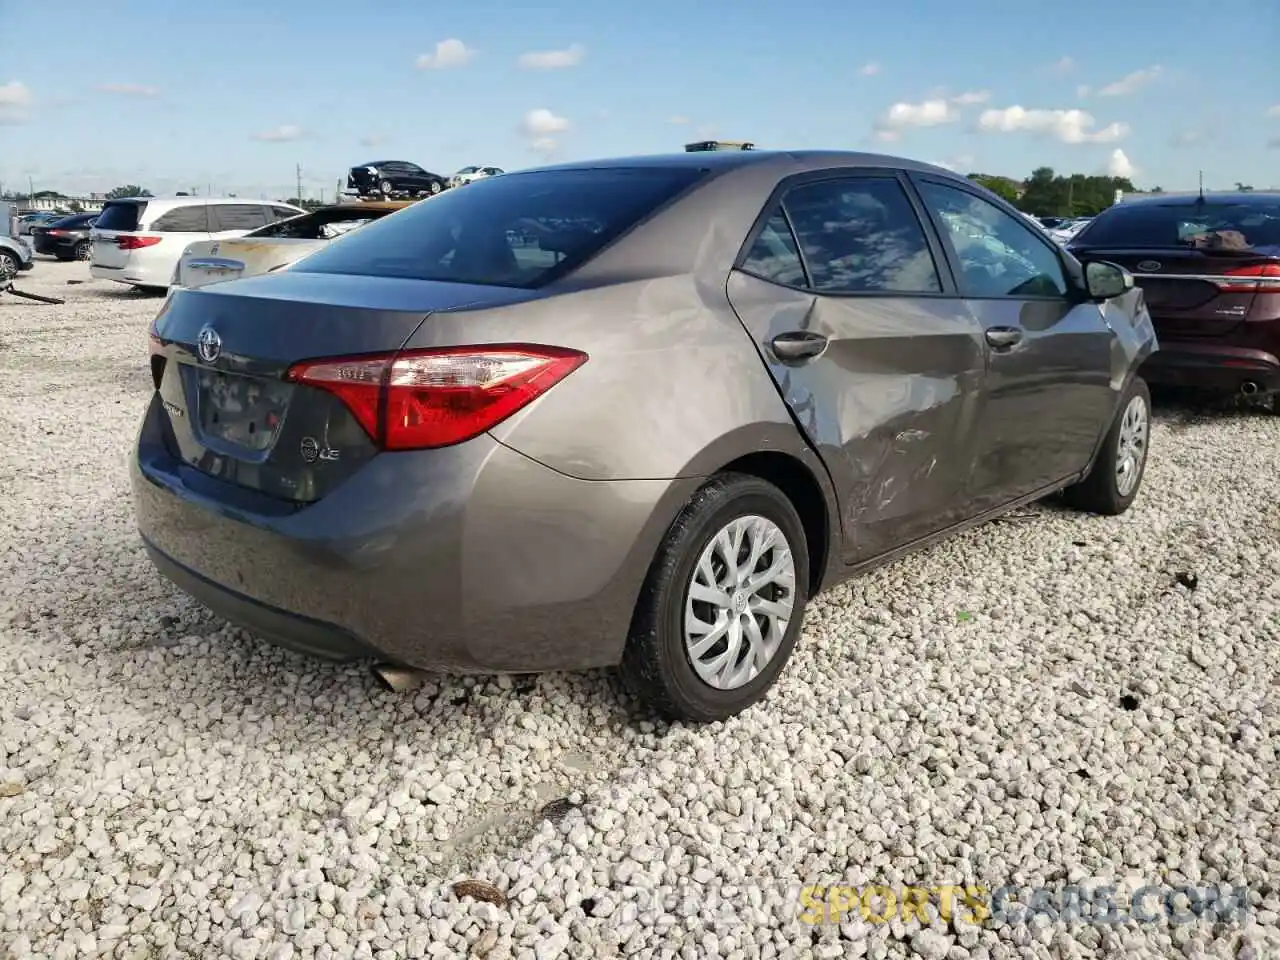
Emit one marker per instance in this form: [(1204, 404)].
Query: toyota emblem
[(1149, 266), (209, 344)]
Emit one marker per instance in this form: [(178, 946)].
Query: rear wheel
[(82, 250), (721, 607), (1112, 484)]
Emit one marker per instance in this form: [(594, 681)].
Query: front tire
[(1116, 476), (385, 188), (436, 187), (722, 605), (9, 267)]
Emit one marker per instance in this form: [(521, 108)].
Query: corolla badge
[(1149, 266), (209, 344), (312, 451)]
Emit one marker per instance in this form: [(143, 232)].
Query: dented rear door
[(891, 398)]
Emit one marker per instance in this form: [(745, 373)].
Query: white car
[(139, 240), (472, 174), (276, 245), (1065, 231)]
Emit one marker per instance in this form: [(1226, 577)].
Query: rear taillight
[(56, 233), (1262, 278), (418, 399), (136, 243)]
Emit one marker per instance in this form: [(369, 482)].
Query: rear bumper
[(131, 275), (1212, 367), (472, 558)]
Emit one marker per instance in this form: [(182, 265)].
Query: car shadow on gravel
[(1181, 407)]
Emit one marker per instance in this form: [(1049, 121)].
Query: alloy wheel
[(739, 601), (1135, 425)]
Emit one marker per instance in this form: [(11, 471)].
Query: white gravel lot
[(1036, 703)]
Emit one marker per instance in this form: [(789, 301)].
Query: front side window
[(999, 257), (861, 235), (517, 230)]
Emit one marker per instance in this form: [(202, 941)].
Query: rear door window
[(120, 215), (861, 235), (189, 219), (237, 216), (518, 230)]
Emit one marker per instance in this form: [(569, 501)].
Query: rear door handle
[(1002, 338), (796, 346)]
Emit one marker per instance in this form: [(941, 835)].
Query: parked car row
[(401, 179), (67, 238)]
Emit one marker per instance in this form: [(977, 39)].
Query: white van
[(138, 240)]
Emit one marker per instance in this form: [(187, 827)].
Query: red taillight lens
[(56, 233), (420, 399), (1262, 278), (136, 243)]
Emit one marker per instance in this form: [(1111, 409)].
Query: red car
[(1209, 267)]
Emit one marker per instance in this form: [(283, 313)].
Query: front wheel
[(1113, 482), (720, 610), (436, 187), (385, 187), (9, 266)]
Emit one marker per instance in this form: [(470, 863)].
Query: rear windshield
[(320, 225), (1253, 227), (74, 222), (121, 215), (517, 230)]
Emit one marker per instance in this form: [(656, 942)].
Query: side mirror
[(1105, 280)]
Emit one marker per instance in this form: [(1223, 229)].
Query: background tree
[(128, 190), (1005, 187), (1243, 187), (1080, 195)]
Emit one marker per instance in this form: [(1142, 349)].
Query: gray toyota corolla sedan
[(629, 412)]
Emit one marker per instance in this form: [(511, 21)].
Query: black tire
[(656, 666), (385, 188), (436, 187), (9, 267), (83, 249), (1100, 492)]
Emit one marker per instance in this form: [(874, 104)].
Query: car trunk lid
[(221, 355), (1195, 292), (115, 233), (217, 260)]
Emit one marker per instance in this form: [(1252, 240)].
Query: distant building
[(705, 145), (90, 204)]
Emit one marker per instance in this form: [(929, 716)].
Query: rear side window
[(120, 215), (191, 219), (1208, 226), (238, 216), (861, 235), (517, 230), (773, 256)]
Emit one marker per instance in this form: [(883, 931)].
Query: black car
[(66, 239), (394, 178)]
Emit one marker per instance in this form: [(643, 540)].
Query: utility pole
[(299, 173), (31, 188)]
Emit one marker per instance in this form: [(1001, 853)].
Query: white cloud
[(959, 162), (905, 116), (449, 53), (281, 134), (678, 119), (1068, 126), (15, 98), (1083, 90), (970, 97), (1273, 110), (129, 89), (541, 128), (1186, 138), (1063, 65), (1119, 164), (870, 69), (1132, 82), (571, 56), (373, 140)]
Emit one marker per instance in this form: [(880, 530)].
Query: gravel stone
[(171, 787)]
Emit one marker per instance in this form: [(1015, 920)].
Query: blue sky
[(230, 96)]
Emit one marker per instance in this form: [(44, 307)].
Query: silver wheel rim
[(739, 602), (8, 270), (82, 251), (1132, 445)]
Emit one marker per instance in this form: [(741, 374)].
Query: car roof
[(797, 161), (1265, 197), (193, 201), (358, 205)]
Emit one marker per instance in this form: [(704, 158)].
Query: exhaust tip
[(398, 679), (1249, 388)]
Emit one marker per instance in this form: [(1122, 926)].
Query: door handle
[(796, 346), (1002, 338)]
